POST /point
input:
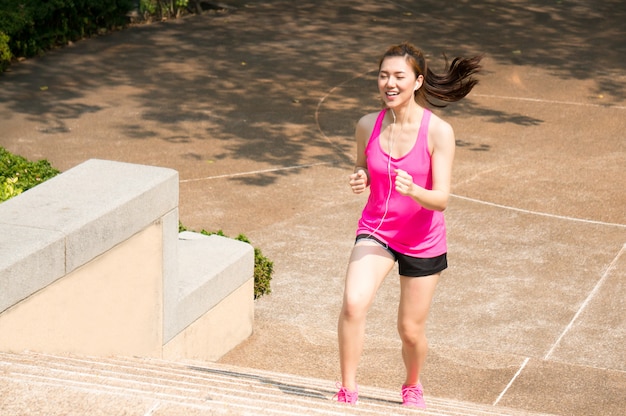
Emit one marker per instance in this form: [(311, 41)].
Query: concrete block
[(218, 331), (96, 205), (110, 306), (210, 268), (170, 263), (30, 258)]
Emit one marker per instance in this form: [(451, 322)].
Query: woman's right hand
[(358, 181)]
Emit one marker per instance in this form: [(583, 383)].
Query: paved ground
[(256, 109), (50, 385)]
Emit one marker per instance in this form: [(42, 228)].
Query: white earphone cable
[(391, 143)]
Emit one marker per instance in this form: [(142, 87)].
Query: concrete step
[(40, 384), (209, 305)]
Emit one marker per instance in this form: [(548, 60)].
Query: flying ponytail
[(438, 90)]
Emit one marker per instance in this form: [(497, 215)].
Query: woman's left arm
[(443, 145)]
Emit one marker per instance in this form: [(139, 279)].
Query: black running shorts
[(412, 266)]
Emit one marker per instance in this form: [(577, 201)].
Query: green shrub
[(162, 9), (34, 26), (263, 267), (17, 174), (8, 189), (5, 51), (148, 7)]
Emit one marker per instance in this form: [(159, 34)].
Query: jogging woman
[(404, 155)]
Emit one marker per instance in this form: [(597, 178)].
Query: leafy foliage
[(5, 51), (17, 174), (263, 267), (34, 26), (162, 9), (8, 189)]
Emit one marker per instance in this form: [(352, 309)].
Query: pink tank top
[(407, 227)]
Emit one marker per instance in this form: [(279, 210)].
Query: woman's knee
[(412, 333), (353, 309)]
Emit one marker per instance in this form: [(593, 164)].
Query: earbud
[(417, 83)]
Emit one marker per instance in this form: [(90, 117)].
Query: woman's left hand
[(404, 182)]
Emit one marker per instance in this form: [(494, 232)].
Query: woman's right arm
[(359, 180)]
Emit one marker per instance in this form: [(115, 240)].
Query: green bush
[(162, 9), (17, 174), (263, 267), (34, 26), (5, 52), (8, 189)]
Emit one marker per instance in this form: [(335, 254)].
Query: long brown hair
[(438, 89)]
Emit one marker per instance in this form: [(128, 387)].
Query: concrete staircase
[(42, 384)]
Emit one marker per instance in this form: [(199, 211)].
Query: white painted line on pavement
[(154, 407), (541, 100), (543, 214), (255, 172), (586, 302), (519, 371)]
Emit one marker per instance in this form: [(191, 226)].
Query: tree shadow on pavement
[(255, 78)]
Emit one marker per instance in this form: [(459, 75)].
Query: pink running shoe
[(413, 396), (346, 396)]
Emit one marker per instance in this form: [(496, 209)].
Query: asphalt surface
[(256, 109)]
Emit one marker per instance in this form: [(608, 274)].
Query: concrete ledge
[(84, 212), (110, 306), (91, 262), (210, 269), (29, 258)]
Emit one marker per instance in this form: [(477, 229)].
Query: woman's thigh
[(369, 265)]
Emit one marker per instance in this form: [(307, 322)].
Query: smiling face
[(397, 82)]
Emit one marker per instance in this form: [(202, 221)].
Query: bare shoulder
[(440, 131), (364, 127), (367, 122)]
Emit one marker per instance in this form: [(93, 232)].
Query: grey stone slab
[(96, 204), (210, 268), (170, 263), (30, 258)]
